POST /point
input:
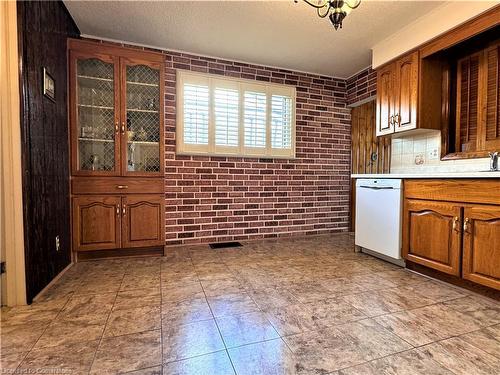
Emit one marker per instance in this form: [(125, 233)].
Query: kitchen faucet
[(493, 161)]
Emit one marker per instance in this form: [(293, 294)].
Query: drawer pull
[(122, 186)]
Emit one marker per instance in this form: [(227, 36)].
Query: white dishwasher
[(378, 218)]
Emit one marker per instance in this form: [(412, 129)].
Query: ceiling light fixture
[(335, 10)]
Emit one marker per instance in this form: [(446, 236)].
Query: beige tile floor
[(293, 306)]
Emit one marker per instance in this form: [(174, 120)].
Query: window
[(234, 117)]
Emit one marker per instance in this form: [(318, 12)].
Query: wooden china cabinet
[(117, 142)]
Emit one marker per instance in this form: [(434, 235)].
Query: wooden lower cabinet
[(481, 245), (431, 234), (143, 216), (104, 222), (96, 223)]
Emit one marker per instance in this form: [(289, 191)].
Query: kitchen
[(175, 202)]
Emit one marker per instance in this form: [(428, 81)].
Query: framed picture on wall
[(49, 86)]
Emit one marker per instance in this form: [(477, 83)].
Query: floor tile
[(246, 328), (410, 362), (487, 339), (21, 337), (380, 302), (190, 340), (89, 308), (293, 319), (179, 293), (128, 353), (140, 282), (138, 319), (486, 311), (213, 288), (435, 291), (208, 364), (462, 358), (186, 311), (335, 311), (402, 277), (137, 298), (265, 358), (343, 346), (155, 370), (73, 358), (9, 362), (231, 304), (68, 332)]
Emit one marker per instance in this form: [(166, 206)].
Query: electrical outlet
[(432, 154), (58, 244)]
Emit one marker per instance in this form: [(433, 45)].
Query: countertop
[(431, 175)]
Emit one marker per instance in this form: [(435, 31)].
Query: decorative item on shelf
[(335, 10), (87, 132), (94, 161), (150, 104), (130, 135), (142, 135)]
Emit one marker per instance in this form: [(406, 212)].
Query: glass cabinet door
[(96, 122), (142, 118)]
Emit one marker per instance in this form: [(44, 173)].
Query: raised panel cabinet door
[(385, 100), (96, 222), (143, 220), (142, 117), (406, 93), (432, 233), (481, 245), (94, 113)]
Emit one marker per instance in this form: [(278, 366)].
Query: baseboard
[(54, 280)]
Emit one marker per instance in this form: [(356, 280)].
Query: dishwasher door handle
[(376, 187)]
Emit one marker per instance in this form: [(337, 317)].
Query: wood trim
[(12, 239), (115, 49), (85, 256), (459, 190), (467, 30), (117, 185)]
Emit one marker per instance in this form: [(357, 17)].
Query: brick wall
[(361, 86), (217, 199)]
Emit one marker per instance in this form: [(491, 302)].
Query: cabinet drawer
[(116, 185)]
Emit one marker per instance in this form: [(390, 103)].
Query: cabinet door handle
[(391, 120), (117, 210), (122, 186), (124, 210), (397, 119), (466, 225), (123, 127), (117, 127), (456, 224)]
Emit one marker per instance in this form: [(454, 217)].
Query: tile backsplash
[(422, 153)]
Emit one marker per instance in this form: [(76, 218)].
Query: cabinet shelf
[(95, 78), (142, 110), (147, 143), (95, 106), (142, 84), (96, 140)]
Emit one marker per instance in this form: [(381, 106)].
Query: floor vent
[(224, 245)]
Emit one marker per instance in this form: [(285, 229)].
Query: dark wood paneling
[(43, 28)]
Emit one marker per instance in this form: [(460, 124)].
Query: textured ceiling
[(276, 33)]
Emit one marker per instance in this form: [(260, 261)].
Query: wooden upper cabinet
[(116, 110), (96, 222), (431, 234), (478, 103), (397, 95), (94, 113), (385, 100), (406, 100), (143, 218), (481, 245), (142, 116)]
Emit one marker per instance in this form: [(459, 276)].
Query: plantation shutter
[(281, 122), (226, 115), (255, 118), (196, 109)]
